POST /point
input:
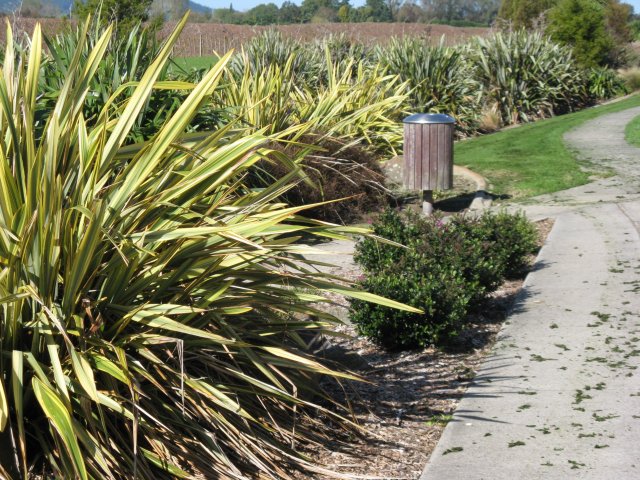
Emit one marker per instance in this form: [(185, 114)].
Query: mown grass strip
[(532, 159), (186, 64), (632, 132)]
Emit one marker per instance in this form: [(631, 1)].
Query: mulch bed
[(405, 404)]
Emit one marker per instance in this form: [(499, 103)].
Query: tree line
[(454, 12), (597, 30)]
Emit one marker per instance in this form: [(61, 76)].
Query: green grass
[(189, 63), (532, 159), (632, 132)]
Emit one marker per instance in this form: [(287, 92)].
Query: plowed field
[(206, 38)]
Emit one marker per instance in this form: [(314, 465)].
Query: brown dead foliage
[(349, 173)]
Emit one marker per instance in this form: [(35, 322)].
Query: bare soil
[(409, 396)]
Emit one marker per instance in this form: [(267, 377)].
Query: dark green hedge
[(446, 269)]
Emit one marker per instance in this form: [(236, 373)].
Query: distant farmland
[(205, 38)]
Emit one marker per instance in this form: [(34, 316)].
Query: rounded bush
[(441, 293), (444, 268), (510, 239)]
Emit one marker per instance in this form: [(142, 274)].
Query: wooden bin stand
[(428, 155)]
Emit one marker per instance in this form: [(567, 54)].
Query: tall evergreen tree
[(481, 11), (290, 13), (582, 25), (124, 13), (377, 11), (311, 8), (524, 13)]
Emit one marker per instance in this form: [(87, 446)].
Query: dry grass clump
[(490, 119), (631, 78)]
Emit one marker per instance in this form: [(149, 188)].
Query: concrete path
[(559, 397), (599, 143)]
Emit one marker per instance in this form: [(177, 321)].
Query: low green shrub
[(604, 83), (446, 269), (440, 291), (510, 239)]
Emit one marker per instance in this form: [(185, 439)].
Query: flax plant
[(356, 104), (125, 61), (528, 76), (260, 100), (439, 79), (272, 48), (364, 107), (151, 305)]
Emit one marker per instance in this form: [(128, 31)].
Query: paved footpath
[(559, 396)]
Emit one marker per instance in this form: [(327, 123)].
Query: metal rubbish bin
[(428, 151)]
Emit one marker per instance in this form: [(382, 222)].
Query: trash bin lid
[(429, 118)]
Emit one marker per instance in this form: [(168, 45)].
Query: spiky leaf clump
[(528, 76), (150, 304), (439, 78)]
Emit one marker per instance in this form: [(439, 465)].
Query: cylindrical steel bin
[(428, 151)]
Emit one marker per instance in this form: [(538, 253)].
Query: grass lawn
[(632, 132), (532, 159), (189, 63)]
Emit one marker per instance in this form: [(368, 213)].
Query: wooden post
[(428, 155), (427, 202), (200, 44)]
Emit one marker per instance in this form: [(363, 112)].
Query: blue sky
[(635, 4), (246, 4)]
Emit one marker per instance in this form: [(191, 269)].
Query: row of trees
[(606, 20), (467, 12), (520, 13)]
